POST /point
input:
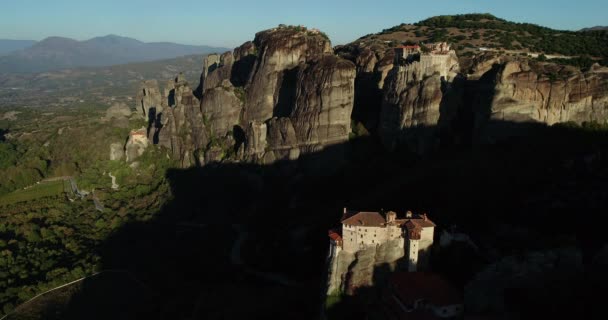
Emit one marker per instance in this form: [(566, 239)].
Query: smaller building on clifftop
[(406, 51)]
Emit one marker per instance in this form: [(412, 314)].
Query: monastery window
[(361, 236), (372, 241)]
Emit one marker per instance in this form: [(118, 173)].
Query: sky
[(230, 23)]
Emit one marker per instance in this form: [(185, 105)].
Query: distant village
[(412, 292)]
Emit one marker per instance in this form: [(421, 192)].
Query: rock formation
[(149, 98), (286, 94), (117, 111), (280, 96), (546, 93), (366, 268), (117, 151)]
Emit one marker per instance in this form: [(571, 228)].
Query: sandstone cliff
[(280, 96), (348, 272), (403, 100), (286, 94), (416, 97), (526, 91)]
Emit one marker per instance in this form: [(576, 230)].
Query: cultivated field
[(42, 190)]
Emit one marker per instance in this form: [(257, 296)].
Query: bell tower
[(414, 234)]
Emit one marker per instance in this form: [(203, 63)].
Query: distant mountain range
[(8, 46), (56, 53), (596, 28)]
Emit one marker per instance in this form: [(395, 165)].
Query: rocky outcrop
[(416, 97), (531, 92), (117, 111), (117, 151), (324, 102), (373, 63), (286, 94), (552, 94), (278, 52), (221, 109), (348, 272), (117, 115), (280, 96), (182, 130), (149, 98)]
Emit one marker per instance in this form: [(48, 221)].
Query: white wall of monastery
[(358, 237), (413, 247)]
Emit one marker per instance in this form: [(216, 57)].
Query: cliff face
[(416, 97), (286, 93), (366, 268), (526, 91), (275, 98), (404, 101), (174, 119), (278, 53)]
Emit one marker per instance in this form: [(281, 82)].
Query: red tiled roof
[(411, 286), (413, 230), (334, 235), (138, 132), (369, 219), (419, 219), (375, 219), (412, 225)]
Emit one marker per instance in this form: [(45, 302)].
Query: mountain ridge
[(8, 45), (55, 53), (596, 28)]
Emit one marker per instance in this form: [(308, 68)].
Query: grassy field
[(42, 190)]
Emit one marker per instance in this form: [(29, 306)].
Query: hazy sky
[(230, 23)]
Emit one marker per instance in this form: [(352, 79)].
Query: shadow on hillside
[(249, 241)]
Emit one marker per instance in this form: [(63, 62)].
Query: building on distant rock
[(406, 51), (136, 144), (314, 31), (435, 58), (438, 47)]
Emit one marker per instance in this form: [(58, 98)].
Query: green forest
[(49, 235)]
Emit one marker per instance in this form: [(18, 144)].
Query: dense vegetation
[(46, 240), (534, 37), (48, 234), (60, 143)]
